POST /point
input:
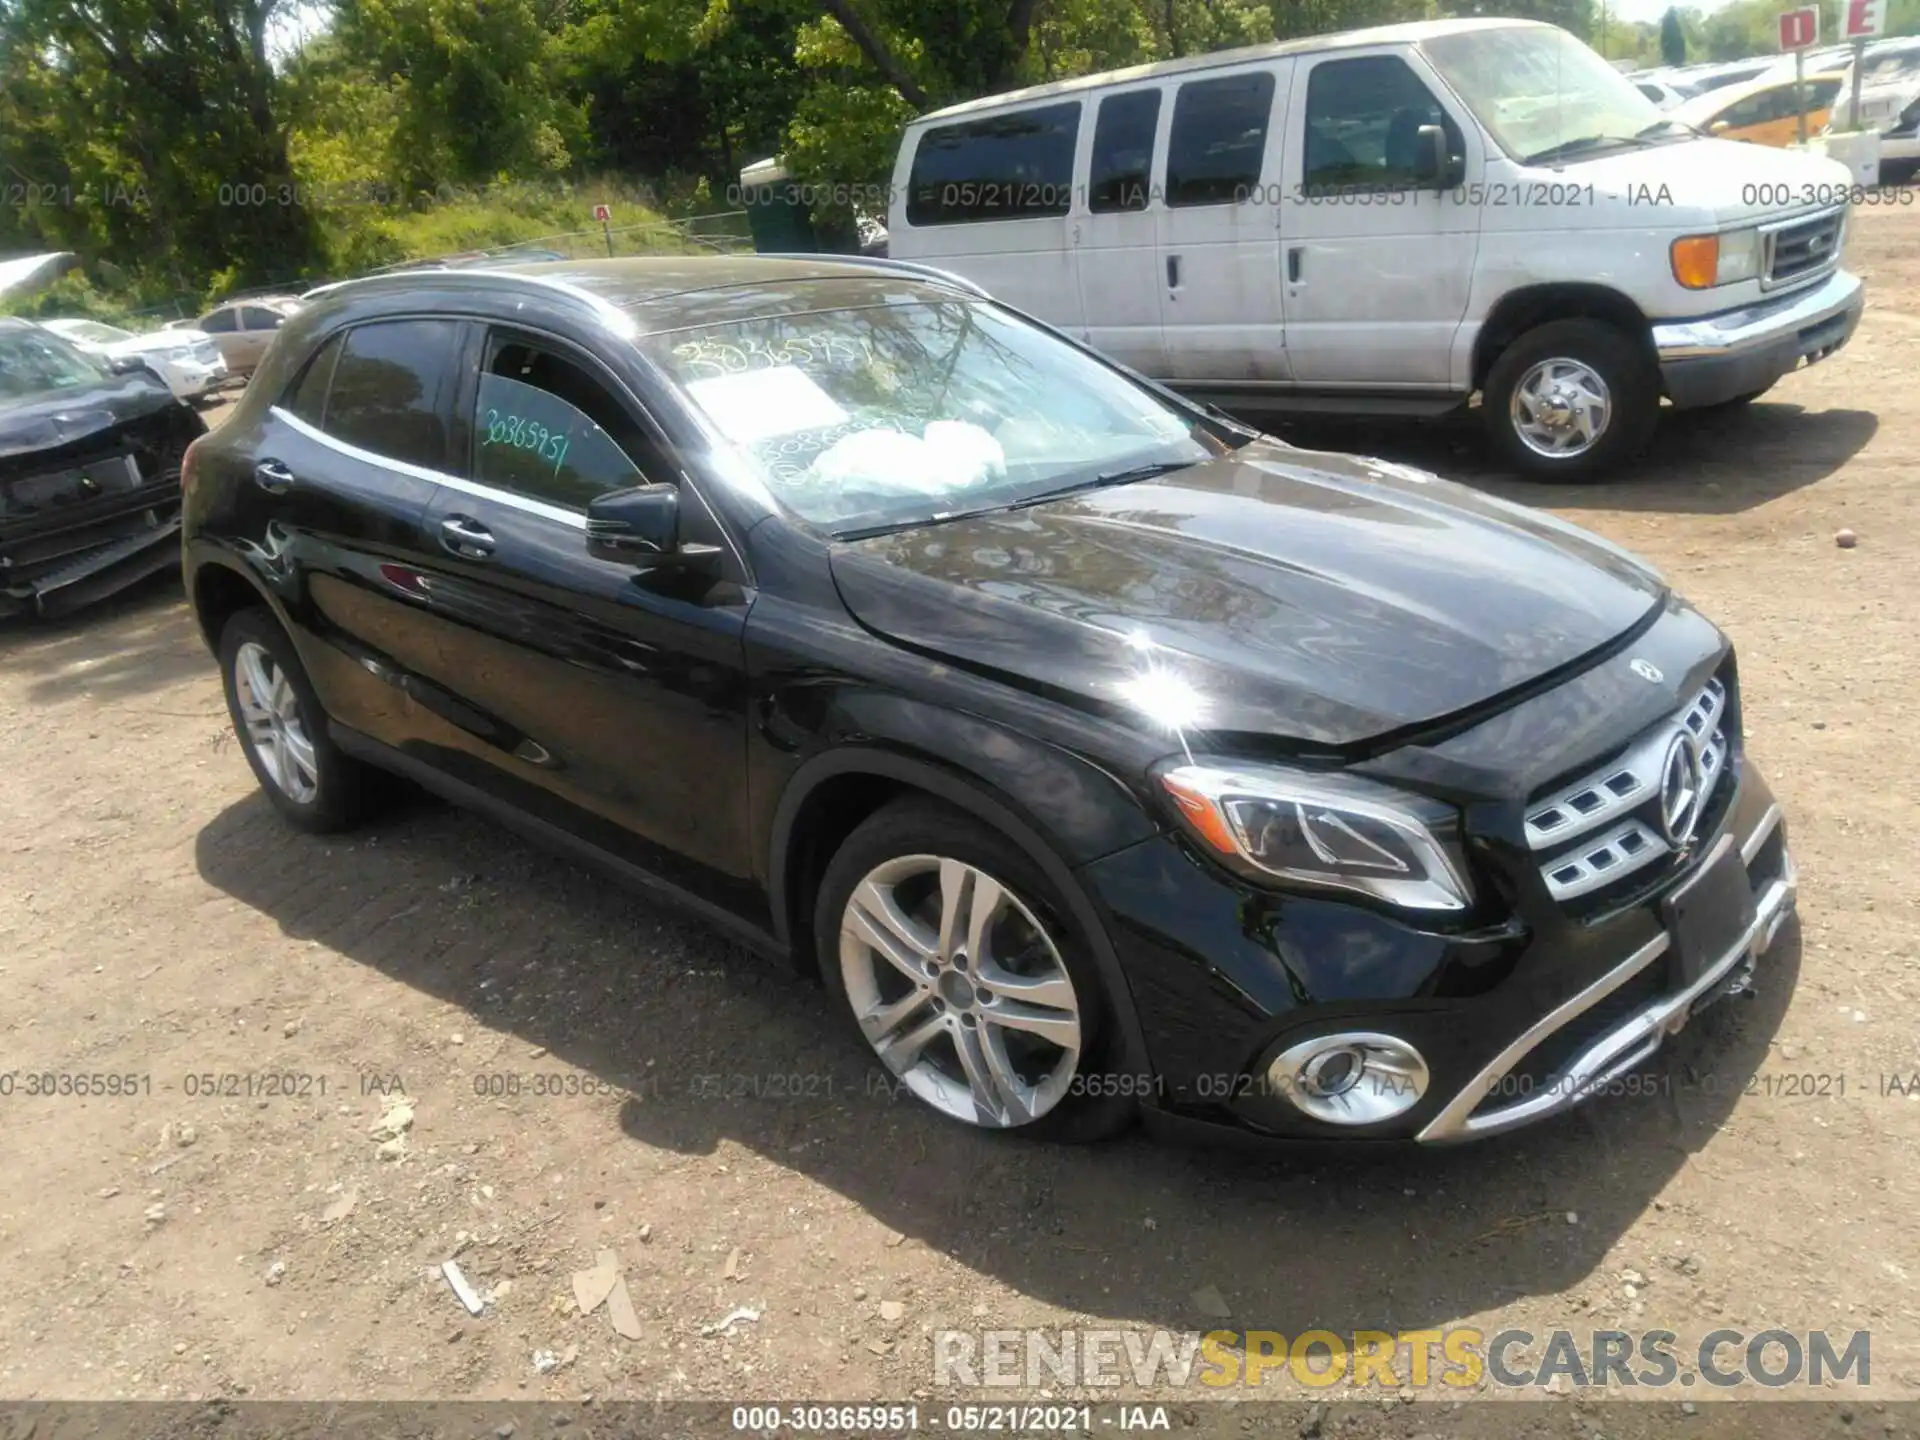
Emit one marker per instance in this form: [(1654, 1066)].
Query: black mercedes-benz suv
[(1101, 756)]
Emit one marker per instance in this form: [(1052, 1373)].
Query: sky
[(1654, 9)]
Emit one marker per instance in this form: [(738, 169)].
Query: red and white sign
[(1860, 19), (603, 212), (1799, 29)]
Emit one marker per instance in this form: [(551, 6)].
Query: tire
[(1628, 384), (913, 852), (335, 791)]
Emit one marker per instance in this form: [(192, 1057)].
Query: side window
[(391, 387), (258, 317), (218, 322), (1822, 93), (1123, 152), (307, 396), (546, 428), (1005, 167), (1652, 92), (1219, 134), (1754, 110), (1364, 118)]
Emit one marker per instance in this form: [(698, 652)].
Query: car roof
[(654, 293), (1714, 101), (1409, 33)]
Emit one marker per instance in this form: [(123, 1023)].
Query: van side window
[(1219, 134), (1123, 152), (1006, 167), (1363, 124)]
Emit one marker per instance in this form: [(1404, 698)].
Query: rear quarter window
[(1005, 167)]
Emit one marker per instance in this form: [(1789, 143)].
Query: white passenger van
[(1392, 221)]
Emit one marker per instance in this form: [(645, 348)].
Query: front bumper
[(190, 379), (52, 572), (1632, 1040), (1516, 1021), (1720, 357)]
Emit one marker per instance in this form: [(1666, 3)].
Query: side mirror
[(641, 527), (125, 365), (1434, 169)]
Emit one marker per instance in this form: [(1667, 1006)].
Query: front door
[(608, 701), (1378, 266)]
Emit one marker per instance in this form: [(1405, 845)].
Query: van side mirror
[(1433, 167), (640, 526)]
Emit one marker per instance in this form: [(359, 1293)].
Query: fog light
[(1350, 1079)]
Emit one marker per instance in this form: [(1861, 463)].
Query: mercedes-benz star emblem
[(1646, 670), (1683, 785)]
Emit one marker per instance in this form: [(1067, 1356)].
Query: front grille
[(1607, 825), (1802, 249)]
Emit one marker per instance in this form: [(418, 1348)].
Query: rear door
[(258, 326), (607, 701), (1219, 282), (344, 468), (1116, 245)]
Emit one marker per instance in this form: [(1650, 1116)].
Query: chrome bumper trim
[(1635, 1038), (1765, 322)]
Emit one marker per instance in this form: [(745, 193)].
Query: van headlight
[(1332, 832), (1702, 261)]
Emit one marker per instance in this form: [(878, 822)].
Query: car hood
[(64, 417), (1728, 179), (1321, 599)]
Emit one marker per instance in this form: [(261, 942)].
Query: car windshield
[(1543, 95), (34, 362), (904, 412)]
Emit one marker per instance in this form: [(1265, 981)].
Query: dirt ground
[(582, 1066)]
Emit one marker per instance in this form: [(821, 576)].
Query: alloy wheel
[(1561, 408), (960, 990), (270, 709)]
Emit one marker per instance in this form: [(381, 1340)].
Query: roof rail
[(607, 311), (886, 263)]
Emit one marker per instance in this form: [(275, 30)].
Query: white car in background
[(1667, 94), (1889, 103), (187, 360)]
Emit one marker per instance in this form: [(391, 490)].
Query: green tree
[(1673, 38)]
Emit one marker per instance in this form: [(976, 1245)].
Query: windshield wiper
[(1098, 482), (1584, 142), (1127, 476)]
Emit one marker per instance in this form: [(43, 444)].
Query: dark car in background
[(90, 454), (1100, 755)]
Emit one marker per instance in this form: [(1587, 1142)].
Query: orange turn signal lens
[(1203, 815), (1696, 260)]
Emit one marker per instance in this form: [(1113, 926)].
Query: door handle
[(273, 477), (1294, 253), (1173, 272), (463, 535)]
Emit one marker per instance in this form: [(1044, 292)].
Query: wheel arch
[(219, 586), (1521, 310), (830, 795)]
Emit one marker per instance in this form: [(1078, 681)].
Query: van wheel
[(963, 974), (1570, 400)]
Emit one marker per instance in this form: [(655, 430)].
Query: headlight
[(1335, 832), (1703, 261)]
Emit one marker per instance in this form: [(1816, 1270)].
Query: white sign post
[(1860, 21), (1798, 31)]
